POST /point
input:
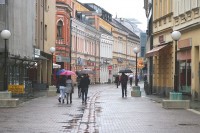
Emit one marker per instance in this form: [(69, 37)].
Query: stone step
[(12, 102), (5, 94), (176, 104)]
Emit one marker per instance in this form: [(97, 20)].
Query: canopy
[(56, 65)]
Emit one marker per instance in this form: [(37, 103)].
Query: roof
[(122, 27)]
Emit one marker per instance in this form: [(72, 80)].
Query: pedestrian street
[(105, 112)]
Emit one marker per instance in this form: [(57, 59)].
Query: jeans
[(62, 92), (124, 89), (69, 96), (84, 94)]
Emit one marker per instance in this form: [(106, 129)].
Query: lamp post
[(5, 34), (176, 36), (136, 50), (52, 50)]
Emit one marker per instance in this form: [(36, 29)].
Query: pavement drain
[(188, 124)]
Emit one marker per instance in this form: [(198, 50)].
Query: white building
[(106, 49)]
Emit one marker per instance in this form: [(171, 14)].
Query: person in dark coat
[(117, 81), (78, 84), (84, 84), (124, 80), (131, 80)]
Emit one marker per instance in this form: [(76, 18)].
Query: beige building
[(187, 21), (44, 38), (182, 16), (162, 52)]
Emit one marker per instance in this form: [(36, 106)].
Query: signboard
[(109, 67), (62, 59), (37, 51), (16, 89)]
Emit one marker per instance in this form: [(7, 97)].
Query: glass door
[(185, 76)]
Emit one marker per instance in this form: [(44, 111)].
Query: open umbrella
[(60, 71), (125, 71), (130, 76), (115, 75), (68, 72), (87, 71)]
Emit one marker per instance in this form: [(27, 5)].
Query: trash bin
[(179, 96), (172, 96)]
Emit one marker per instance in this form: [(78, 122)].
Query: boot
[(59, 99), (63, 101)]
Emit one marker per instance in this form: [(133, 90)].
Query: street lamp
[(136, 50), (5, 34), (52, 50), (176, 35)]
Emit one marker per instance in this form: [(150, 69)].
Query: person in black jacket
[(84, 84), (124, 80), (62, 87)]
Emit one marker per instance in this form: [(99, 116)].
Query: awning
[(40, 57), (155, 51), (56, 65)]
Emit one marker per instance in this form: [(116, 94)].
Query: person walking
[(62, 87), (78, 84), (84, 84), (117, 80), (131, 80), (124, 80), (69, 89)]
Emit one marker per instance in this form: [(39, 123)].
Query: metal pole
[(136, 79), (176, 70), (76, 48), (5, 69), (52, 63)]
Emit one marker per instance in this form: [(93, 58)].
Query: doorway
[(185, 76)]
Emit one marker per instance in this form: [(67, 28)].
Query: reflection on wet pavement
[(85, 121)]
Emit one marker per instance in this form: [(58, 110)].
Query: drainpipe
[(70, 50)]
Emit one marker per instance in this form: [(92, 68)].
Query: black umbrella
[(115, 75), (125, 71)]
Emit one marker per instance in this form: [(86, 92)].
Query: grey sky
[(123, 9)]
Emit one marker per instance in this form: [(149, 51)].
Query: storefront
[(184, 59)]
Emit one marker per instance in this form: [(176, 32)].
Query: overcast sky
[(123, 9)]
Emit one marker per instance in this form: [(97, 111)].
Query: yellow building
[(187, 21), (162, 52), (169, 16)]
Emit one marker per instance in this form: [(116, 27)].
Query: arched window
[(60, 29)]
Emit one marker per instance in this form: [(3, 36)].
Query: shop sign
[(62, 59), (16, 89), (37, 51), (185, 43), (109, 67)]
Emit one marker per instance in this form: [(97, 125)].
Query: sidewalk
[(105, 112)]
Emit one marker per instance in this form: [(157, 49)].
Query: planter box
[(176, 104)]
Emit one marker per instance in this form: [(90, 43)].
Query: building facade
[(186, 18), (20, 46)]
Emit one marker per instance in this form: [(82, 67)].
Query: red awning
[(155, 51)]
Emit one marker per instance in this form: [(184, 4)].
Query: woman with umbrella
[(69, 88)]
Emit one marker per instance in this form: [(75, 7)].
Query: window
[(59, 29)]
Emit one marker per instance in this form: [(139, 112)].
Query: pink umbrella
[(67, 73)]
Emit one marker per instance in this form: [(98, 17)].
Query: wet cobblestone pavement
[(105, 112)]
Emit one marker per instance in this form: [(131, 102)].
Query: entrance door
[(185, 76)]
